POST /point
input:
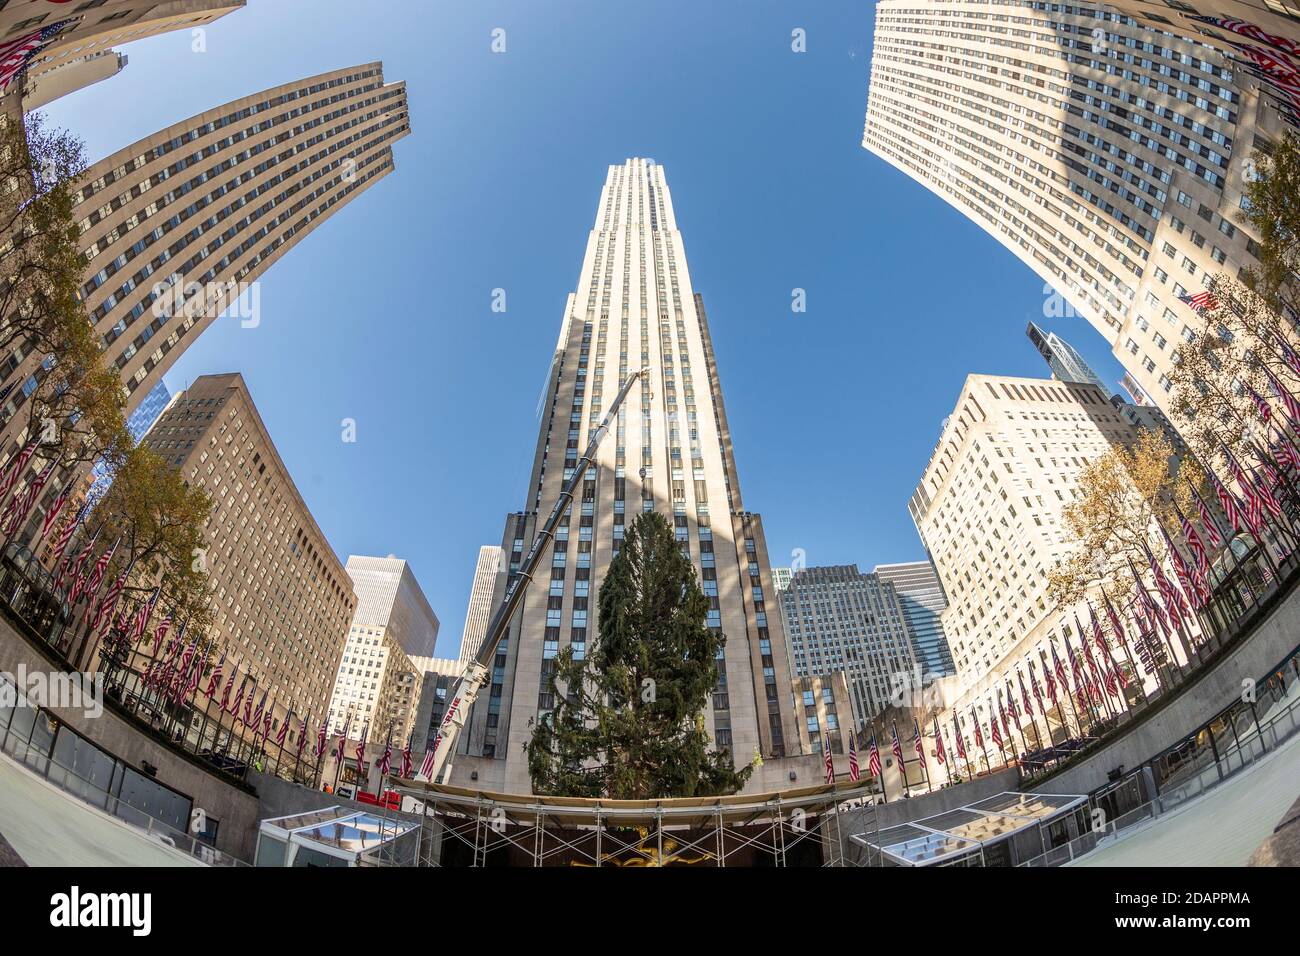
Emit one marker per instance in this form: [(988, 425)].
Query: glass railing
[(94, 795)]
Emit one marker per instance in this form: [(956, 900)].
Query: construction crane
[(476, 671)]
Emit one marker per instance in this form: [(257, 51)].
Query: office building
[(669, 450), (281, 599), (1063, 359), (839, 619), (1108, 157), (921, 596), (389, 596), (479, 612)]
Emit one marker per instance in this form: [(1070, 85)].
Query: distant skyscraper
[(839, 619), (923, 603), (81, 53), (669, 450), (147, 412), (781, 578), (1063, 359), (479, 612), (1106, 156), (389, 596)]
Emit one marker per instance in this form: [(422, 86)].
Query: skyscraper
[(1108, 157), (670, 451), (989, 509), (82, 52), (921, 596), (389, 597), (479, 612), (1063, 359), (839, 619), (177, 227), (281, 600)]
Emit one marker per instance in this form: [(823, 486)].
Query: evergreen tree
[(628, 720)]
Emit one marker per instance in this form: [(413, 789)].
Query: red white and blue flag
[(898, 749), (16, 54), (386, 761), (827, 761), (51, 516), (1200, 301), (214, 682), (940, 754), (407, 766), (873, 758)]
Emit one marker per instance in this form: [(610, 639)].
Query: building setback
[(1063, 359), (479, 612), (670, 451), (839, 619), (1108, 157), (281, 599), (921, 596)]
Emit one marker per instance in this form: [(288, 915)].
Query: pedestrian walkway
[(1222, 827)]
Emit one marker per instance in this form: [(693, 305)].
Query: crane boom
[(475, 674)]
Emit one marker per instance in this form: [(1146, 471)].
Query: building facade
[(921, 595), (436, 686), (669, 450), (839, 619), (479, 612), (1108, 157), (82, 53), (281, 599), (1063, 359), (392, 636), (989, 509)]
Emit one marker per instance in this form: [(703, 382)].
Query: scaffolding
[(802, 827)]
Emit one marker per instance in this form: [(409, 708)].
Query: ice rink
[(48, 827), (1222, 827)]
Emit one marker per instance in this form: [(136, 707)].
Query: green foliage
[(628, 721)]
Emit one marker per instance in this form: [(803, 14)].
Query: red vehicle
[(391, 799)]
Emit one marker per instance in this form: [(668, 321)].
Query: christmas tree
[(628, 721)]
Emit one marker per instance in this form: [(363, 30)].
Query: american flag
[(1194, 543), (76, 566), (407, 765), (322, 735), (979, 734), (53, 514), (855, 774), (1012, 711), (1060, 670), (302, 735), (142, 616), (1024, 696), (873, 758), (17, 53), (214, 682), (995, 731), (898, 750), (361, 747), (958, 742), (940, 754), (917, 744), (1048, 677), (225, 692), (17, 467), (826, 757), (61, 546), (1200, 301), (256, 718), (1208, 521), (386, 760), (1254, 512), (239, 696), (97, 577), (1288, 353), (266, 723), (1181, 571), (1261, 406), (284, 730), (1266, 495), (195, 674), (22, 504), (109, 604), (1285, 452), (1243, 28), (1230, 507)]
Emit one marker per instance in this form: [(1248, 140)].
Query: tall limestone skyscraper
[(1107, 156), (671, 451)]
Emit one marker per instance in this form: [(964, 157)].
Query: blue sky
[(383, 314)]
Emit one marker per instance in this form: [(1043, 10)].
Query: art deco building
[(390, 642), (179, 226), (921, 596), (989, 511), (839, 619), (281, 599), (1108, 157), (670, 451), (82, 53), (479, 612)]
